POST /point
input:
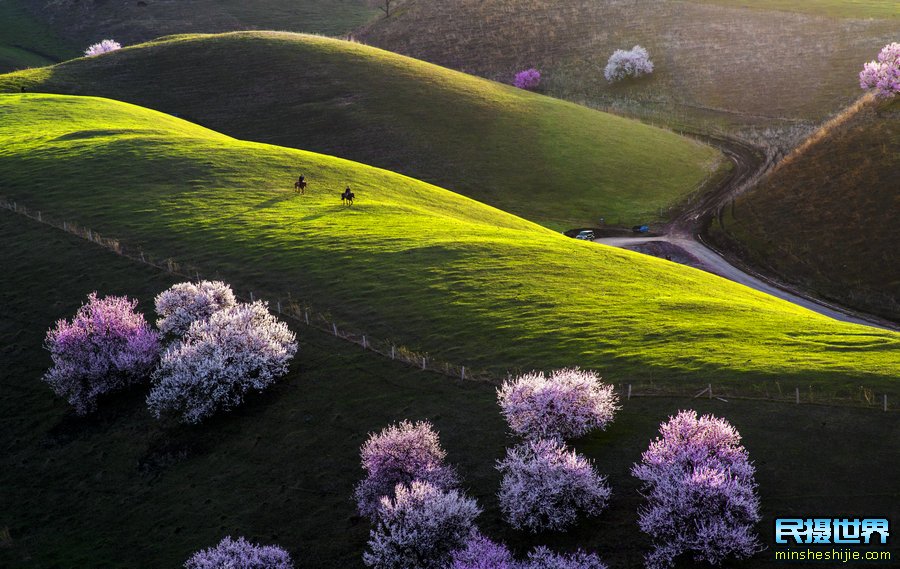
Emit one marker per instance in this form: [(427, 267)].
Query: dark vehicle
[(586, 235)]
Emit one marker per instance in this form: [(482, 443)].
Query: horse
[(300, 186), (347, 197)]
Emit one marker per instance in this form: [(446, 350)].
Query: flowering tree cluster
[(420, 527), (701, 492), (545, 486), (104, 46), (400, 454), (628, 63), (528, 79), (219, 360), (240, 554), (482, 553), (106, 347), (567, 403), (883, 75), (184, 303)]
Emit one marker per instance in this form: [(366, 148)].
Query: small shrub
[(420, 528), (543, 558), (240, 554), (106, 347), (700, 490), (545, 486), (220, 360), (104, 46), (400, 454), (567, 403), (883, 75), (184, 303), (628, 63), (528, 79)]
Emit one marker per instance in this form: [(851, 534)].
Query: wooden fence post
[(364, 342), (709, 386), (885, 402), (306, 316), (629, 391), (251, 296), (392, 351), (279, 307), (463, 374), (423, 362), (797, 394), (334, 327)]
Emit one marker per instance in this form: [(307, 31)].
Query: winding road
[(683, 237)]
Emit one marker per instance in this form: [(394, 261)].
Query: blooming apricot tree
[(545, 486), (700, 490), (106, 347), (400, 454), (184, 303), (628, 63), (240, 554), (218, 361), (528, 79), (420, 527), (567, 403), (883, 75), (104, 46)]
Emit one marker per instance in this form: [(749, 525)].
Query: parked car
[(641, 228), (586, 235)]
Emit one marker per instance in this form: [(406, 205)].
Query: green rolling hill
[(553, 162), (423, 266)]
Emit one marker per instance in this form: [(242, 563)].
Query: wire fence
[(302, 313)]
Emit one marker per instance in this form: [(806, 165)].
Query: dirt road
[(686, 234)]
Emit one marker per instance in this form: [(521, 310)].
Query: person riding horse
[(347, 196), (300, 185)]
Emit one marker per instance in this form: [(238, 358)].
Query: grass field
[(410, 262), (130, 22), (717, 67), (120, 490), (553, 162), (25, 41), (826, 217), (858, 9)]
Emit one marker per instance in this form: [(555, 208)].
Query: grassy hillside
[(409, 261), (718, 65), (836, 8), (133, 22), (826, 218), (553, 162), (282, 468), (25, 41)]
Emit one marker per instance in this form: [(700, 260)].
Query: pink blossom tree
[(528, 79), (420, 527), (700, 490), (218, 361), (482, 553), (106, 347), (184, 303), (102, 47), (400, 454), (567, 403), (883, 75), (628, 63), (545, 486), (240, 554)]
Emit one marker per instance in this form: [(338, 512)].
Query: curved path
[(685, 234)]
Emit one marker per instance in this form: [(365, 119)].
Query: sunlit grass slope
[(426, 267), (553, 162), (827, 216)]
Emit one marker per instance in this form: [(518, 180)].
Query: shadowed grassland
[(826, 218), (132, 22), (25, 41), (428, 268), (121, 490), (552, 162), (715, 66)]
